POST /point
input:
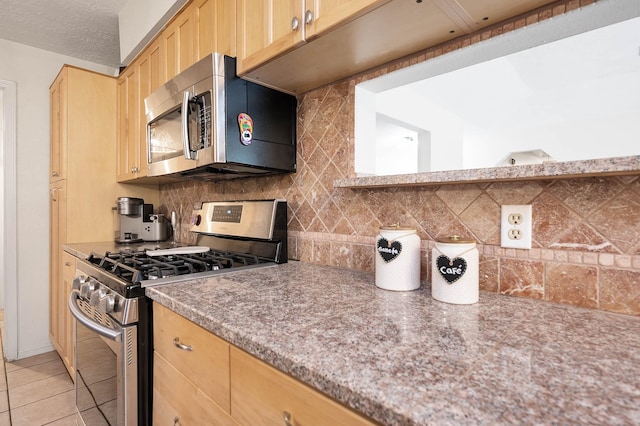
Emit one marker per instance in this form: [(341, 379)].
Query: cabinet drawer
[(206, 364), (177, 400), (260, 394)]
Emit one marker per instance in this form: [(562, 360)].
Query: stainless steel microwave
[(209, 124)]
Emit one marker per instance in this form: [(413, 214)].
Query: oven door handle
[(103, 331)]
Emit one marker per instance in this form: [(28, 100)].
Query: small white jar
[(397, 259), (454, 271)]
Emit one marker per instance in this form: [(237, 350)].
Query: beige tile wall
[(586, 232)]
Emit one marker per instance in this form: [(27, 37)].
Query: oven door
[(106, 367)]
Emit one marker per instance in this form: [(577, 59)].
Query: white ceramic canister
[(397, 258), (454, 271)]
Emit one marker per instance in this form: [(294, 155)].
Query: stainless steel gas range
[(114, 330)]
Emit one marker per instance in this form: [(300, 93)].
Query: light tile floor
[(36, 391)]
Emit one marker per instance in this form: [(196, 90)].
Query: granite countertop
[(404, 358), (556, 170)]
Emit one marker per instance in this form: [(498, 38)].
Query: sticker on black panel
[(246, 128)]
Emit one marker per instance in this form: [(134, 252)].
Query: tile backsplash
[(586, 231)]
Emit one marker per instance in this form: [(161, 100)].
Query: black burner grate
[(137, 266)]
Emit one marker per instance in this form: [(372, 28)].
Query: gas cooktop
[(230, 236), (140, 267)]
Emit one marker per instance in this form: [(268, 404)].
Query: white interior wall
[(140, 20), (446, 131), (2, 267), (8, 234), (365, 132), (33, 70), (396, 147)]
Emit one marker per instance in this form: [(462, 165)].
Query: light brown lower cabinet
[(66, 322), (178, 401), (261, 394), (190, 372), (192, 368)]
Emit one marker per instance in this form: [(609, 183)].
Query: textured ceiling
[(84, 29)]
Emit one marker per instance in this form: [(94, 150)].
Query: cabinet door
[(262, 395), (178, 42), (176, 400), (128, 130), (225, 27), (266, 29), (58, 127), (203, 13), (215, 27), (57, 223), (322, 15), (143, 70), (156, 69), (188, 347), (169, 40), (68, 323)]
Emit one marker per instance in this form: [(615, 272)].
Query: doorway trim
[(8, 219)]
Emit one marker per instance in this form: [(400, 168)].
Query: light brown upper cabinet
[(178, 42), (215, 23), (143, 69), (150, 77), (128, 125), (344, 38), (58, 126), (267, 29), (142, 77), (202, 27), (90, 129), (157, 76)]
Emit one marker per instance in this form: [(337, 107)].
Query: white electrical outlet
[(515, 226)]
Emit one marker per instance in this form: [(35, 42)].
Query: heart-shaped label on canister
[(451, 270), (389, 251)]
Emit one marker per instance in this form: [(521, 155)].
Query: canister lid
[(454, 239)]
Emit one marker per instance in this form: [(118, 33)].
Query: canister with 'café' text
[(454, 271)]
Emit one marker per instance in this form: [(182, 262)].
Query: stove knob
[(95, 297), (87, 288), (78, 281), (107, 304)]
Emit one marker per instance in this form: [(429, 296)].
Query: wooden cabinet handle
[(295, 23), (177, 344), (286, 416), (67, 263), (176, 420), (308, 17)]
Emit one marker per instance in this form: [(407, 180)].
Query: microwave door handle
[(185, 125)]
